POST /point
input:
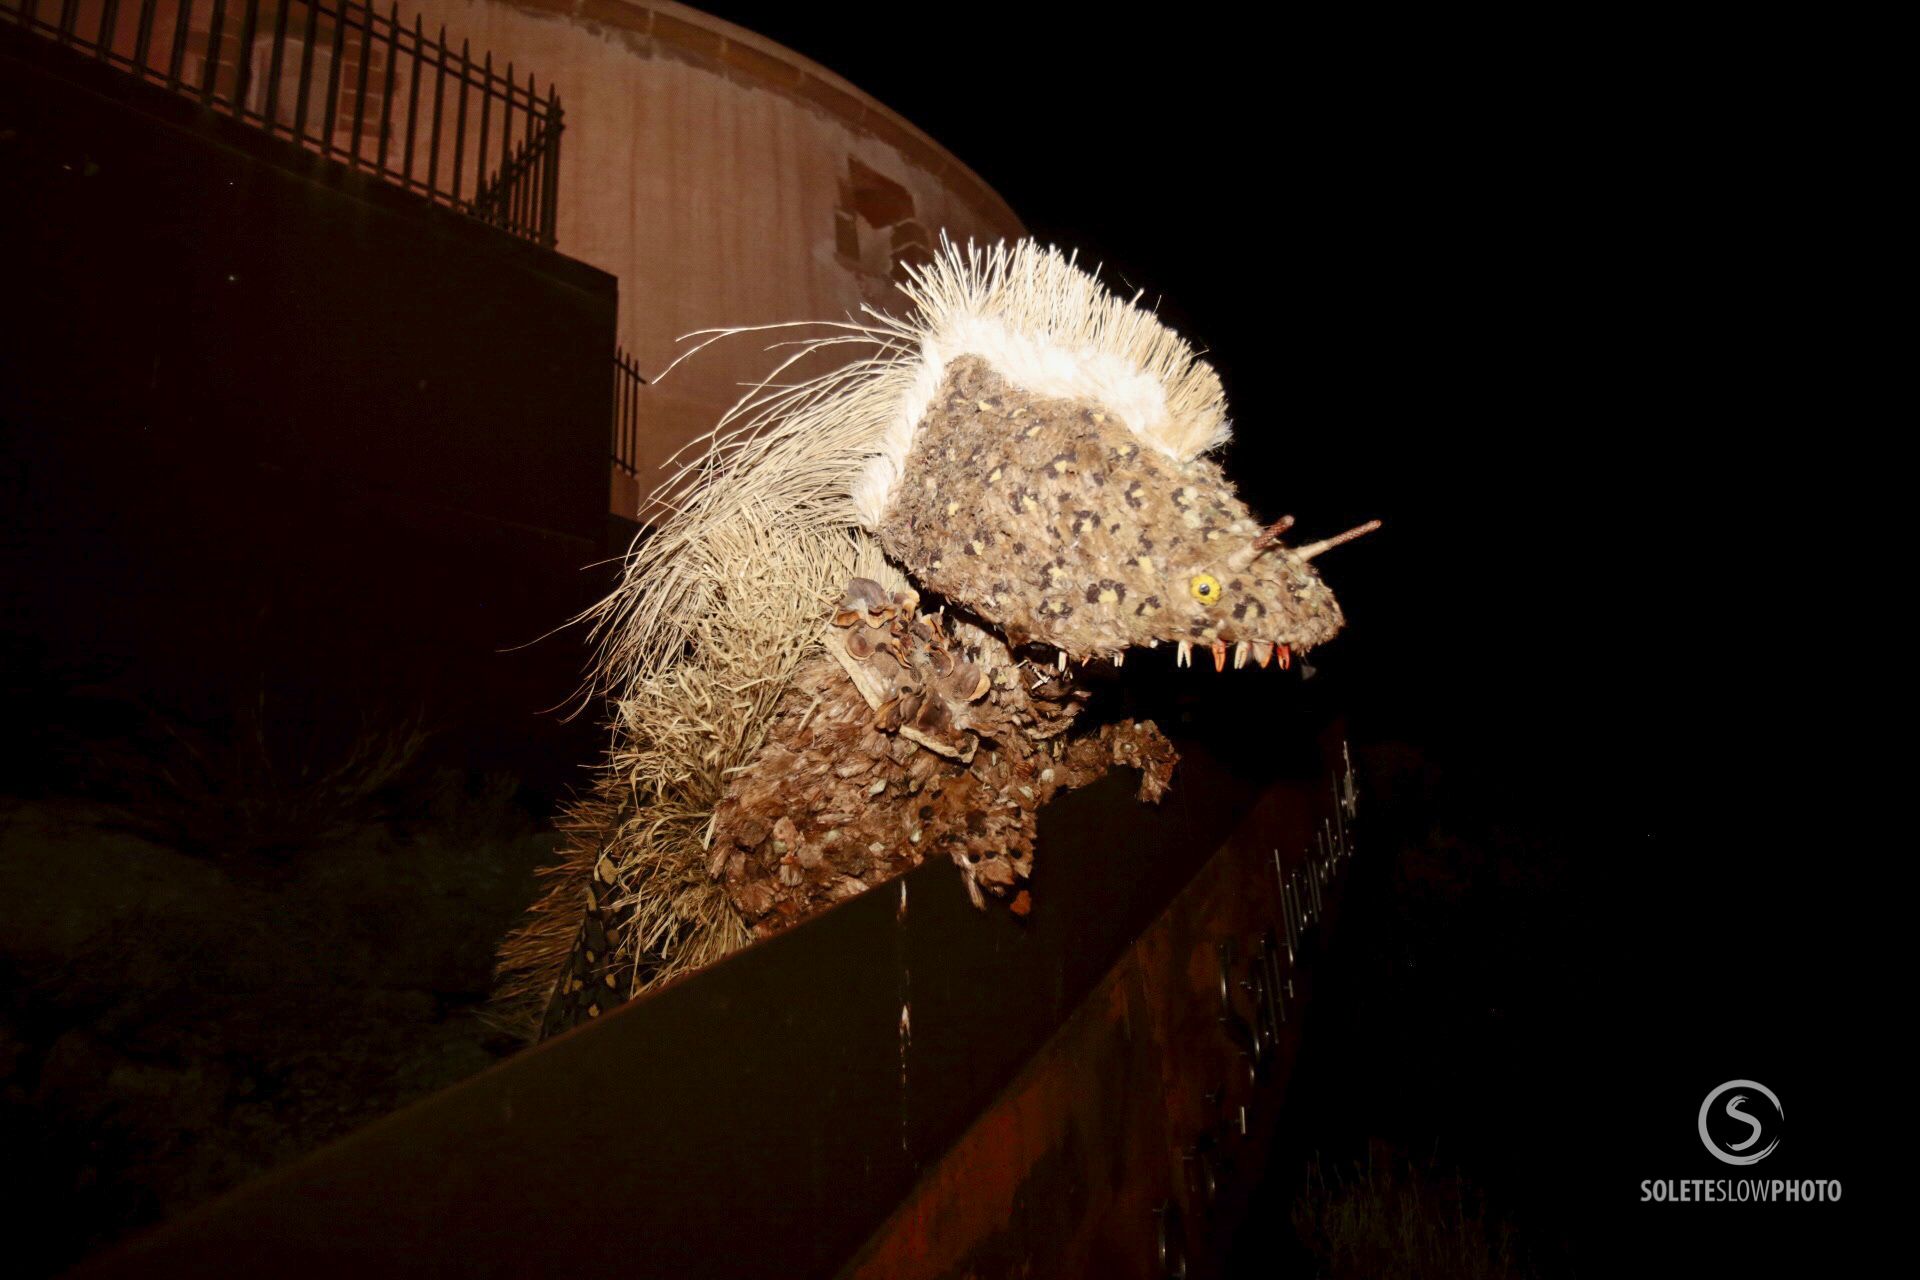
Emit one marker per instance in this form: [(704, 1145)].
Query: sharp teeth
[(1186, 654), (1119, 658), (1262, 652), (1219, 655), (1153, 644), (1240, 655), (1063, 661), (1286, 657)]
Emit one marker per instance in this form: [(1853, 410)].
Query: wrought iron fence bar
[(460, 124), (272, 113), (108, 13), (537, 189), (439, 93), (360, 81), (480, 151), (627, 381), (386, 91), (536, 176), (529, 179), (413, 105), (306, 74), (506, 130), (336, 66), (143, 36), (501, 208), (556, 129), (513, 180), (634, 383), (212, 68), (181, 19), (523, 189), (243, 59)]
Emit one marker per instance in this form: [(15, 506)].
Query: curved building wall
[(726, 181)]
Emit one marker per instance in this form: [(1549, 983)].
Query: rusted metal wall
[(866, 1086), (1130, 1143)]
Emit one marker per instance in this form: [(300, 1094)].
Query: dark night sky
[(1566, 305)]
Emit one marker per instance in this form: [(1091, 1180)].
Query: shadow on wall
[(877, 234)]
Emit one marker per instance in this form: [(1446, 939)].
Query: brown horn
[(1261, 541), (1313, 549), (1272, 531)]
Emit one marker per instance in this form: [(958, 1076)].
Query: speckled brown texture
[(576, 918), (1056, 522), (908, 738)]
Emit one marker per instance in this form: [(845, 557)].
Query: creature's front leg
[(900, 740)]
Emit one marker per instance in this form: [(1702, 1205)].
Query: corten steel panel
[(762, 1118), (974, 1025), (724, 1127), (1150, 1110)]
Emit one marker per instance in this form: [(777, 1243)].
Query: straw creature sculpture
[(853, 643)]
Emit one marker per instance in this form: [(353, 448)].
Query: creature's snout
[(1052, 519)]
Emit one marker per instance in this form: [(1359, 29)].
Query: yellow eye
[(1205, 588)]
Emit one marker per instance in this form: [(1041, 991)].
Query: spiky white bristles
[(1051, 329)]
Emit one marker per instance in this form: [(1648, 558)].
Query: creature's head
[(1026, 445), (1049, 474)]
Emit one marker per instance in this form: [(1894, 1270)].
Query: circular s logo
[(1740, 1122)]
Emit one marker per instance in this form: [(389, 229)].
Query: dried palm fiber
[(802, 488)]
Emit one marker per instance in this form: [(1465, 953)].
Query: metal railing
[(338, 79), (627, 381)]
